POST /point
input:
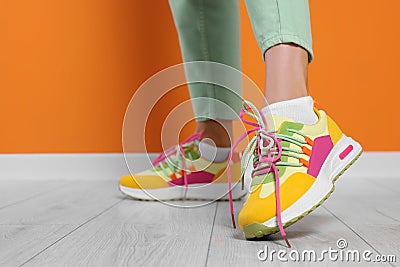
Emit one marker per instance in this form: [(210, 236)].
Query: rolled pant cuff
[(209, 116), (269, 42)]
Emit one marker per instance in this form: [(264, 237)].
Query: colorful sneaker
[(294, 169), (181, 173)]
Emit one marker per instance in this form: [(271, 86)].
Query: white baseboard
[(70, 166), (112, 166)]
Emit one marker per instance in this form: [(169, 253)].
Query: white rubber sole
[(210, 191), (324, 183)]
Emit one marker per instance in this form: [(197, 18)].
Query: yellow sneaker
[(294, 169), (182, 173)]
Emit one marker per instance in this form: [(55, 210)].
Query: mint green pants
[(209, 31)]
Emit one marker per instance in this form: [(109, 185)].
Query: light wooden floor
[(88, 223)]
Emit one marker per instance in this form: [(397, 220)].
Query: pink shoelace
[(178, 151), (263, 141)]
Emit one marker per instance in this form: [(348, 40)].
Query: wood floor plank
[(135, 233), (28, 227), (391, 184), (372, 210), (73, 204), (91, 224), (318, 231), (15, 191), (19, 242)]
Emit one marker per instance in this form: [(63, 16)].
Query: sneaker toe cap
[(261, 209)]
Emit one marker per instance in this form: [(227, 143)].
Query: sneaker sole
[(201, 192), (260, 230)]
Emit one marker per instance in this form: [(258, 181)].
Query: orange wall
[(69, 68)]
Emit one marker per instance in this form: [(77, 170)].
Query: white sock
[(213, 153), (299, 110)]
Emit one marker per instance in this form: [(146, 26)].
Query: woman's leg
[(310, 148), (283, 32), (209, 31), (286, 72)]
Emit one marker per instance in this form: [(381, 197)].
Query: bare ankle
[(286, 73)]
